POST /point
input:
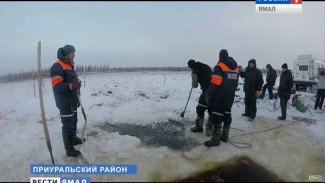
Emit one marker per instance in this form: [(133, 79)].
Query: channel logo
[(315, 178), (59, 180), (278, 6)]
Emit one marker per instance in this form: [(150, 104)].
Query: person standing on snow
[(201, 74), (220, 97), (252, 87), (65, 84), (284, 90), (321, 89), (270, 82)]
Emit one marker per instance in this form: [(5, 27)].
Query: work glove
[(76, 84), (258, 93), (240, 68)]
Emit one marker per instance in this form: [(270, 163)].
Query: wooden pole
[(84, 76), (34, 83), (46, 132)]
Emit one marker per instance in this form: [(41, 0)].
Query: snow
[(292, 152)]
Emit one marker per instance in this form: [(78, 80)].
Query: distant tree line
[(80, 69), (45, 72)]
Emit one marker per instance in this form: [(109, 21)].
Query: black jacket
[(203, 73), (286, 84), (271, 77), (224, 82), (62, 74), (253, 78)]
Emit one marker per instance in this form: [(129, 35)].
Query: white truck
[(304, 70)]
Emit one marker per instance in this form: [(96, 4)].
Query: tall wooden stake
[(46, 132)]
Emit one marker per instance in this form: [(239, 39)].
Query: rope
[(194, 159), (239, 132), (248, 145)]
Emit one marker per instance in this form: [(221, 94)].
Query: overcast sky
[(156, 33)]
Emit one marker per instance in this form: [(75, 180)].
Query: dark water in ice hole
[(238, 169), (170, 134)]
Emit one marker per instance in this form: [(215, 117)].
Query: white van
[(304, 70)]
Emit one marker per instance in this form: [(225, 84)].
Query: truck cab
[(304, 70)]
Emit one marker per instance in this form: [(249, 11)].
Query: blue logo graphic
[(83, 169), (272, 1)]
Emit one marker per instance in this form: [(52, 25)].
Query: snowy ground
[(117, 103)]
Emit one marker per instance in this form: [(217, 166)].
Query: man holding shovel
[(201, 74), (65, 84)]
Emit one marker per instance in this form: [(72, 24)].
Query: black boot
[(198, 125), (68, 139), (209, 129), (246, 115), (77, 140), (225, 133), (215, 140)]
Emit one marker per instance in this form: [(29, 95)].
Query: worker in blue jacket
[(65, 85)]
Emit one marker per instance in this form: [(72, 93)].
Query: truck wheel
[(297, 88)]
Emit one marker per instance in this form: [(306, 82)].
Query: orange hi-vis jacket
[(62, 74), (223, 85)]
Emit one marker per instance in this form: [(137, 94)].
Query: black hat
[(64, 51), (191, 63), (268, 66), (284, 66), (67, 49), (223, 54), (252, 61)]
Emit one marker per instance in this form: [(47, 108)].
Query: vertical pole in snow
[(84, 76), (46, 132), (165, 79), (34, 83)]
